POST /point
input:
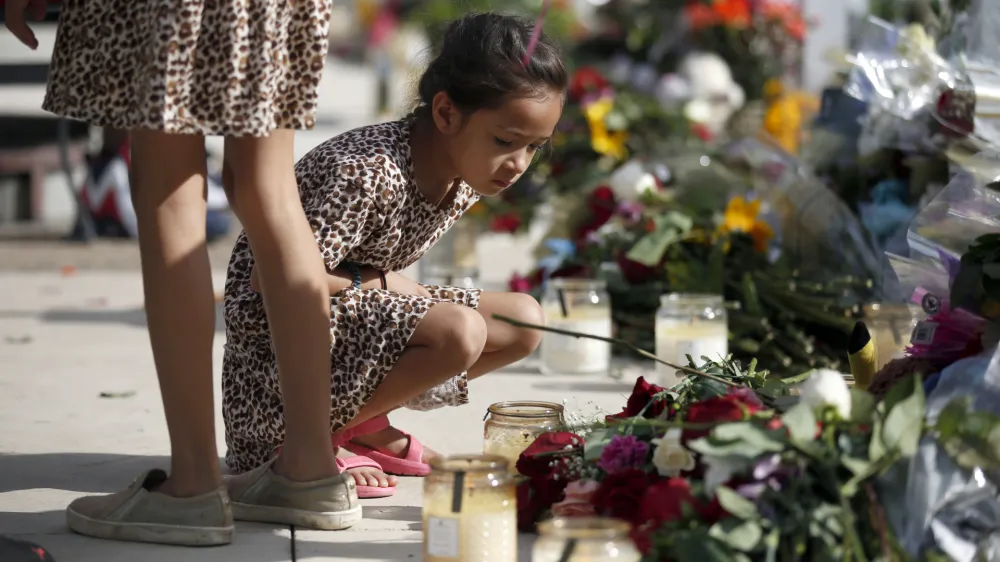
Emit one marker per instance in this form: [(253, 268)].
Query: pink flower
[(577, 502), (622, 453)]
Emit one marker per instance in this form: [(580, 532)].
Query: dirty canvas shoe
[(143, 515), (330, 504)]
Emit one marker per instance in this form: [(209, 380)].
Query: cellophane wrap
[(936, 502)]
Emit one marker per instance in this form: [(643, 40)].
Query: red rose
[(635, 272), (539, 461), (642, 394), (664, 501), (508, 222), (587, 80), (720, 409), (529, 507), (601, 204), (570, 271), (519, 284), (701, 131), (621, 493)]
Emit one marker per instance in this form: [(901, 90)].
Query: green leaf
[(699, 545), (740, 439), (801, 423), (596, 442), (735, 504), (856, 466), (876, 450), (741, 535), (650, 248), (862, 406), (904, 423)]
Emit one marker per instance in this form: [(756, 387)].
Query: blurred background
[(728, 146)]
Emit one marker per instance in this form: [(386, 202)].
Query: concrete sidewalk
[(80, 412)]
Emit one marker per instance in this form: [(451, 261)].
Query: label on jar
[(442, 537), (568, 354)]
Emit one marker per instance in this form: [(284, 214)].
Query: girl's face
[(491, 148)]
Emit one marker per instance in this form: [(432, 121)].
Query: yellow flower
[(742, 216), (603, 141), (479, 209)]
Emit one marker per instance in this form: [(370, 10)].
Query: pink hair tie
[(536, 34)]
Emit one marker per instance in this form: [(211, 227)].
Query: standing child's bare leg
[(167, 186), (296, 296)]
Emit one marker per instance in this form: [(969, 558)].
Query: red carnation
[(620, 495)]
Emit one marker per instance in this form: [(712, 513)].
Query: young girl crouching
[(378, 198)]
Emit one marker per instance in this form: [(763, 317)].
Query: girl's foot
[(397, 451), (371, 481), (367, 473)]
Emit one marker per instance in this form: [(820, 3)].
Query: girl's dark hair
[(481, 64)]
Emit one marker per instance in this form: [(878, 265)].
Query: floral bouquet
[(709, 470)]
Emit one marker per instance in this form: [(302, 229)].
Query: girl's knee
[(463, 336), (526, 309)]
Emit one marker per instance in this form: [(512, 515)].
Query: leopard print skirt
[(225, 67), (369, 330)]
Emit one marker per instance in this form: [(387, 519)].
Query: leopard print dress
[(361, 200), (225, 67)]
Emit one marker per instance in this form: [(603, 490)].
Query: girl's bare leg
[(448, 340), (296, 296), (505, 344), (168, 192)]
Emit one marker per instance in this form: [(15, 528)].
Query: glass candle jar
[(470, 510), (464, 278), (584, 539), (689, 324), (582, 306), (512, 426), (890, 325)]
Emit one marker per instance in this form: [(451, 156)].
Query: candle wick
[(568, 550), (457, 490)]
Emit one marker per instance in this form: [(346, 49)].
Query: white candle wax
[(484, 530), (676, 339), (570, 355)]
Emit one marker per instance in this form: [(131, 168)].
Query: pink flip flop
[(366, 492), (409, 464)]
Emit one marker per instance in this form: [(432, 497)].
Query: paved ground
[(81, 414)]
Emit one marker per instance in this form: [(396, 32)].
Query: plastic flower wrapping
[(953, 274)]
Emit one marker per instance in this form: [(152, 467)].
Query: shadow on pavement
[(130, 316)]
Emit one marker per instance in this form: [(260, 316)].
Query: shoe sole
[(159, 533), (323, 521)]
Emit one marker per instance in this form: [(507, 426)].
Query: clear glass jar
[(584, 539), (689, 324), (512, 426), (577, 305), (434, 274), (890, 325), (470, 510)]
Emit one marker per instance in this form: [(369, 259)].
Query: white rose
[(631, 180), (826, 387), (670, 457)]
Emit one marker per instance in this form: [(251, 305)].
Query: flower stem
[(614, 341)]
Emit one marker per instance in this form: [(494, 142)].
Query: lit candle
[(581, 306), (694, 325), (584, 539), (513, 426), (470, 511)]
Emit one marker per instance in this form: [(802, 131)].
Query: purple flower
[(768, 472), (622, 453), (630, 210)]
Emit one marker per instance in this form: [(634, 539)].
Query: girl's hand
[(14, 12), (399, 284)]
